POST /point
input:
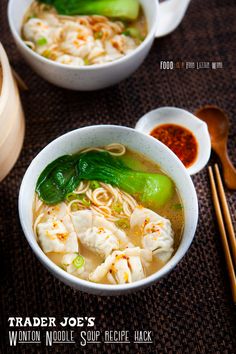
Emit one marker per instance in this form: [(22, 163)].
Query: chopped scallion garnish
[(86, 202), (42, 41), (98, 35), (78, 262), (94, 185), (177, 206), (117, 207), (71, 196), (46, 53), (86, 61), (81, 197), (132, 32), (123, 223)]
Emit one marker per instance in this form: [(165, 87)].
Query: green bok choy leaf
[(124, 9), (63, 175), (58, 179), (153, 189)]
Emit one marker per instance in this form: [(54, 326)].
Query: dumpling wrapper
[(156, 231), (54, 237), (98, 234), (57, 233), (58, 211), (123, 266), (36, 30)]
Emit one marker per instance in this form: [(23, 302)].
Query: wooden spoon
[(218, 126)]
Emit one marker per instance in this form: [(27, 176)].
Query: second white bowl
[(85, 78)]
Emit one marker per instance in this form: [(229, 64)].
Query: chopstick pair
[(225, 225)]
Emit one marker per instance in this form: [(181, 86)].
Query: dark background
[(191, 310)]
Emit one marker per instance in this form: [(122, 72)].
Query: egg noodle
[(106, 200)]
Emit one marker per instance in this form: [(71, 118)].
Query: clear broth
[(173, 210)]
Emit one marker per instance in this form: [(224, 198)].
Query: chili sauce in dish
[(179, 139)]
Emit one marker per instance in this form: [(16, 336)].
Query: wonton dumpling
[(70, 60), (98, 234), (111, 54), (36, 30), (54, 237), (123, 43), (57, 233), (123, 266), (58, 211), (97, 51), (75, 46), (156, 231), (99, 240)]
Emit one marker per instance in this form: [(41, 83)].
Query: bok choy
[(153, 189), (58, 179), (124, 9), (63, 175)]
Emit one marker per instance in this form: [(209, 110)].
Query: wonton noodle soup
[(99, 231), (80, 40)]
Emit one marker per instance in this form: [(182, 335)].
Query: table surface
[(190, 311)]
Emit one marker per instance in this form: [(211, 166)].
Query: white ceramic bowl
[(85, 78), (98, 136), (174, 115)]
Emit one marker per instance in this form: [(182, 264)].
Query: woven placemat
[(190, 311)]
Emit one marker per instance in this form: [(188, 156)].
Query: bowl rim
[(81, 284), (19, 40)]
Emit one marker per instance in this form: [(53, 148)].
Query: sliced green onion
[(123, 223), (31, 16), (86, 61), (78, 262), (94, 185), (86, 202), (46, 53), (98, 35), (42, 41), (117, 207), (177, 206), (80, 197), (132, 32), (71, 196)]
